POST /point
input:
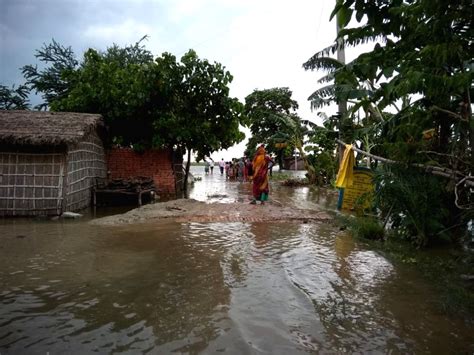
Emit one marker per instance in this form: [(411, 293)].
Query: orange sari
[(260, 162)]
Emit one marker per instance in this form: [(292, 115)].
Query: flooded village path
[(238, 287)]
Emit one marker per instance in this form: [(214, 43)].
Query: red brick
[(124, 163)]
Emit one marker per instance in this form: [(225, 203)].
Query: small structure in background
[(49, 161), (163, 166), (289, 163)]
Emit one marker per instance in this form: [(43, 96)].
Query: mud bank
[(189, 210)]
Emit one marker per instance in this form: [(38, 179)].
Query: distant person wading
[(222, 166)]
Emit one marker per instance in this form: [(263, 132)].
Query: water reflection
[(131, 286), (261, 234), (284, 288)]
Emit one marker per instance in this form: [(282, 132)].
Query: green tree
[(263, 111), (120, 84), (200, 115), (14, 98), (345, 83), (321, 147), (271, 116), (424, 51), (145, 102), (427, 50), (53, 81)]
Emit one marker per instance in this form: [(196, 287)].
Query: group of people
[(244, 169), (237, 169)]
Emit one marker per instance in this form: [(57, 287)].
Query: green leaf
[(344, 16), (388, 72), (336, 9)]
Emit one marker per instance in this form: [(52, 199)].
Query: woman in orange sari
[(260, 176)]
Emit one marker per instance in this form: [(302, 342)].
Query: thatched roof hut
[(45, 128), (48, 161)]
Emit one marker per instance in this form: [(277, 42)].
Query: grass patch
[(289, 180), (366, 228), (448, 268), (279, 176)]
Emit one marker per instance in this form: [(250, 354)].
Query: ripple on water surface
[(191, 287)]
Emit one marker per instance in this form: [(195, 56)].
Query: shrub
[(367, 228), (417, 205)]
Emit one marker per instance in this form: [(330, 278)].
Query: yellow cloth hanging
[(345, 175)]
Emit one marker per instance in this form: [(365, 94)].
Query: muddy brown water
[(67, 287)]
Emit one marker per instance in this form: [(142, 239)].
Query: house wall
[(31, 180), (289, 164), (85, 163), (158, 164)]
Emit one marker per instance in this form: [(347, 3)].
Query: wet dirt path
[(215, 199)]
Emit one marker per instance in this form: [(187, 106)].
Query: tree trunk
[(468, 116), (280, 159), (309, 168), (342, 104), (186, 173)]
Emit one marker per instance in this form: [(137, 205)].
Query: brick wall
[(124, 163)]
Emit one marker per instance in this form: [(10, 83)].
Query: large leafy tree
[(425, 49), (423, 62), (264, 110), (119, 84), (272, 119), (145, 102), (199, 115)]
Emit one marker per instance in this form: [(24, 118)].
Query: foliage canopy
[(145, 101), (421, 65)]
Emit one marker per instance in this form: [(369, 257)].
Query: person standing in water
[(249, 169), (260, 165), (222, 166)]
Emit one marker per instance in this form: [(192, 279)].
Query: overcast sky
[(263, 43)]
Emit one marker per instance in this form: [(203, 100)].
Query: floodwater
[(67, 287)]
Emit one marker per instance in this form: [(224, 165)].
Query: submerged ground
[(215, 275)]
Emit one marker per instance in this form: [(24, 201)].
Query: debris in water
[(71, 215)]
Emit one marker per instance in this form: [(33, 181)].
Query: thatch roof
[(45, 128)]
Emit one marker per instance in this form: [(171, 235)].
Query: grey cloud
[(26, 24)]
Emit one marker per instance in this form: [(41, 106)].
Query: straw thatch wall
[(86, 162), (30, 183), (48, 161)]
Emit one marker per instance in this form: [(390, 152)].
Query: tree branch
[(435, 170), (450, 113), (456, 201), (443, 154)]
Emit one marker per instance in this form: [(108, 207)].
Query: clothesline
[(435, 170)]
